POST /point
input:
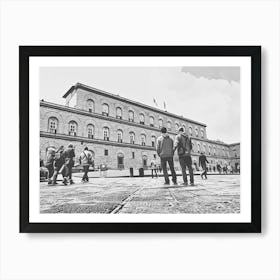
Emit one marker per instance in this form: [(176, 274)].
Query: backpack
[(181, 146)]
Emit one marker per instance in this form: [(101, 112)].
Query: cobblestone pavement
[(217, 194)]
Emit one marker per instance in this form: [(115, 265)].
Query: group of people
[(166, 149), (61, 161)]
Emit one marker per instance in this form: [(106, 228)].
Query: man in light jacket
[(183, 144), (85, 160), (164, 149)]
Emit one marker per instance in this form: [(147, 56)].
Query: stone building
[(120, 132)]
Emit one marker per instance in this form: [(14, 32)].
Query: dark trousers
[(56, 172), (51, 170), (203, 165), (68, 171), (171, 166), (186, 161), (85, 177), (154, 171)]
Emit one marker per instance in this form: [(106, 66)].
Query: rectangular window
[(133, 155), (105, 152)]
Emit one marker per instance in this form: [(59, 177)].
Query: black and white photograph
[(121, 140), (140, 137)]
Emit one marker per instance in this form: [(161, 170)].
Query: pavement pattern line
[(125, 201)]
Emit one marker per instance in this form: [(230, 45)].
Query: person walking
[(85, 160), (49, 163), (164, 148), (69, 155), (59, 165), (154, 167), (202, 163), (183, 144)]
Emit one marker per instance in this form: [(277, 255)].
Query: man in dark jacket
[(183, 144), (69, 156), (202, 163), (164, 149), (59, 164)]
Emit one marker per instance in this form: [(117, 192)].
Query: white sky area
[(213, 100)]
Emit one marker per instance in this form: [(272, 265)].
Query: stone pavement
[(218, 194)]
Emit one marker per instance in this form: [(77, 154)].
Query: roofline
[(234, 144), (107, 94)]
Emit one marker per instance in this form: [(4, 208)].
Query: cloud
[(224, 73)]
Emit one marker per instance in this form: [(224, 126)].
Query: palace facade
[(120, 132)]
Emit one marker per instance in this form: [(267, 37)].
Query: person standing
[(69, 155), (164, 148), (202, 163), (183, 144), (85, 160), (154, 167), (49, 163)]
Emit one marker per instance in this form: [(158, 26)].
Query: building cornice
[(129, 101), (95, 141)]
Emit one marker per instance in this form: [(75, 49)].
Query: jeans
[(154, 171), (203, 165), (68, 171), (171, 166), (85, 177), (186, 161), (51, 170)]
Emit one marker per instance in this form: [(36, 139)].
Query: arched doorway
[(120, 160), (145, 162)]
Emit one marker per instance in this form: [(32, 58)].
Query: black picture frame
[(254, 52)]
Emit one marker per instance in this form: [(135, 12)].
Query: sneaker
[(49, 182), (184, 184), (166, 183), (71, 182), (192, 184), (175, 183)]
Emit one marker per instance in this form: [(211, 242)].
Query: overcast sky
[(206, 94)]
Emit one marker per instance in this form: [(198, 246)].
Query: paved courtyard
[(218, 194)]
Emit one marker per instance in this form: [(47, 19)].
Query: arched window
[(176, 127), (204, 148), (214, 151), (184, 127), (105, 109), (119, 113), (145, 161), (196, 132), (202, 133), (120, 159), (152, 120), (106, 133), (142, 118), (90, 105), (160, 123), (90, 131), (190, 130), (120, 135), (198, 147), (131, 137), (143, 139), (131, 116), (73, 127), (153, 141), (209, 149), (169, 126), (53, 124)]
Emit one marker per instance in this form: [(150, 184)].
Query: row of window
[(73, 127), (119, 115)]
